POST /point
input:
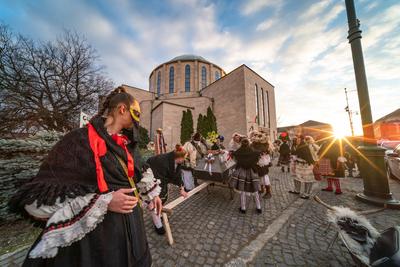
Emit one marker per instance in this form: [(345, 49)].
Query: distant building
[(388, 127), (241, 100), (318, 130)]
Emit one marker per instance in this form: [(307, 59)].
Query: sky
[(300, 47)]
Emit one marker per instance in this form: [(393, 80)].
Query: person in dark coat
[(168, 169), (284, 155), (85, 194), (244, 178)]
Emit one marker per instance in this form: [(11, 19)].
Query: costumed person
[(196, 149), (234, 144), (167, 168), (294, 144), (304, 170), (332, 165), (244, 179), (284, 152), (159, 143), (314, 148), (85, 194), (261, 144)]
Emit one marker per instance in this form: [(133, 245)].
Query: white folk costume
[(304, 171), (71, 192), (159, 143), (196, 150)]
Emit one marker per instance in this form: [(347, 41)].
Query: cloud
[(252, 6), (302, 51)]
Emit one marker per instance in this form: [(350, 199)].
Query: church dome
[(186, 74), (188, 57)]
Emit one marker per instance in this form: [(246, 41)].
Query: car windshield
[(390, 144)]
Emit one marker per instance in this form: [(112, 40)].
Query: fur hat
[(259, 137)]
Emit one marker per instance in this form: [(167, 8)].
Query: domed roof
[(188, 57)]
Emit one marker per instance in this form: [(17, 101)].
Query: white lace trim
[(149, 187), (63, 237), (264, 160)]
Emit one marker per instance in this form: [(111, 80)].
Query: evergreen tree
[(200, 124), (186, 126), (190, 130), (211, 121), (143, 137)]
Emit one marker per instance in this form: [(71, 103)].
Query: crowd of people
[(93, 186)]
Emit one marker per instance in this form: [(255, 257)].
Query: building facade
[(241, 100), (388, 127)]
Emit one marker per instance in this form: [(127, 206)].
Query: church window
[(171, 79), (262, 107), (203, 77), (187, 78), (217, 76), (267, 112), (159, 83), (257, 119)]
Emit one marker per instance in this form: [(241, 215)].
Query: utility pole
[(372, 164), (347, 108)]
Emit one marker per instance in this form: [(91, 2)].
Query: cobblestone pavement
[(208, 230), (303, 241)]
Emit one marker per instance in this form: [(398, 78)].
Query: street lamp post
[(372, 165)]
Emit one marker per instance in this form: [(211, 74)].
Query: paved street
[(209, 230)]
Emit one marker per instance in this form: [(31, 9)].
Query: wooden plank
[(168, 229), (180, 199)]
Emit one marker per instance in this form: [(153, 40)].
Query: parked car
[(393, 163)]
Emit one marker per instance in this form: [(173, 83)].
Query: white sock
[(243, 200), (257, 200), (156, 219), (266, 180)]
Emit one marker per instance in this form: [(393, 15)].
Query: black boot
[(283, 169), (160, 231), (259, 211), (242, 211)]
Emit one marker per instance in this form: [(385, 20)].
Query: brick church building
[(241, 99)]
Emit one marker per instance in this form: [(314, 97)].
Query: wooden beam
[(168, 229), (180, 199)]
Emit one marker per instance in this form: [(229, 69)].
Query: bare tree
[(45, 85)]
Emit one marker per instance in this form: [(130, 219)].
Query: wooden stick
[(180, 199), (316, 198), (168, 229)]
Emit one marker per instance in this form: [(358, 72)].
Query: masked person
[(85, 194), (168, 169)]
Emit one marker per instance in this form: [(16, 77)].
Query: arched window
[(171, 79), (257, 118), (159, 83), (217, 76), (203, 77), (187, 78)]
